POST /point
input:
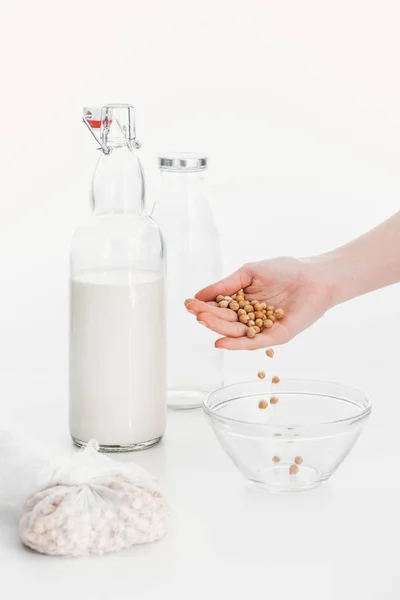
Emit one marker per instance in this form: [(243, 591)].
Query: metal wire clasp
[(135, 143), (105, 148)]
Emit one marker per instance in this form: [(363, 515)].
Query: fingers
[(231, 284), (273, 337), (197, 307), (226, 328)]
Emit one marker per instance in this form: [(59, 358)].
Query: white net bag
[(87, 504)]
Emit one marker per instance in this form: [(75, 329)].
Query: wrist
[(332, 270)]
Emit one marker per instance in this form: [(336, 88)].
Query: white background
[(296, 103)]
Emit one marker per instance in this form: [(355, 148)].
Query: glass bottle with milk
[(193, 260), (117, 353)]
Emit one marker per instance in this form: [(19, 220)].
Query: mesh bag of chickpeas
[(79, 505)]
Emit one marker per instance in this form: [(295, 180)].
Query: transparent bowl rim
[(213, 415)]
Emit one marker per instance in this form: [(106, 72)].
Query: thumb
[(228, 286)]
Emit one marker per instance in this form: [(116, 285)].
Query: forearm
[(368, 263)]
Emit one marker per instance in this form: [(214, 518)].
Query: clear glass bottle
[(117, 350), (193, 260)]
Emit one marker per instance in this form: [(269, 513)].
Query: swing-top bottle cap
[(112, 124), (92, 116), (184, 161)]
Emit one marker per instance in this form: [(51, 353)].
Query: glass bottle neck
[(182, 178), (118, 183)]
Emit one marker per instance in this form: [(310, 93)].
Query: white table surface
[(227, 537)]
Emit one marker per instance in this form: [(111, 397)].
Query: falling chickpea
[(274, 400), (276, 459), (263, 404), (270, 352), (275, 379), (298, 460), (293, 470), (261, 374)]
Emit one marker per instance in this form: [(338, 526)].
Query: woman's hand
[(302, 288)]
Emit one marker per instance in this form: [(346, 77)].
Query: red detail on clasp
[(95, 124)]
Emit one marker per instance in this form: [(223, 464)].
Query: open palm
[(297, 286)]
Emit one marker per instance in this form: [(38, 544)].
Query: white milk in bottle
[(117, 357)]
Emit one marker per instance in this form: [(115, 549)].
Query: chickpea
[(244, 319), (270, 308), (298, 460), (261, 374), (263, 404), (268, 323), (242, 303), (253, 302), (248, 308), (257, 306), (223, 304), (274, 400), (250, 332), (259, 322), (263, 306), (219, 299), (270, 352), (241, 311), (259, 314), (275, 379), (256, 328), (251, 316), (251, 322), (228, 298), (271, 318), (293, 470), (234, 305), (279, 313), (276, 459)]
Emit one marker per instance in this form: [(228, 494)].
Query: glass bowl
[(314, 424)]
